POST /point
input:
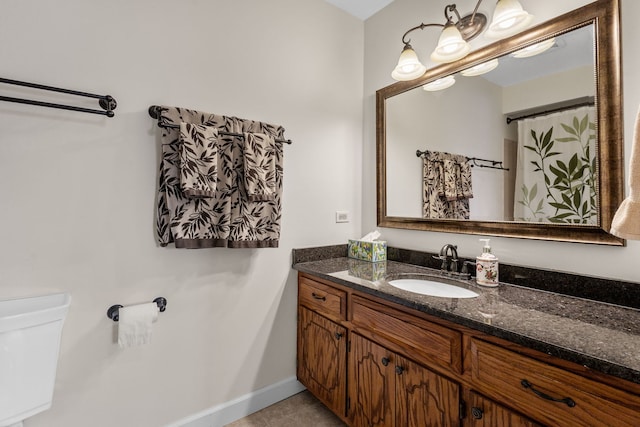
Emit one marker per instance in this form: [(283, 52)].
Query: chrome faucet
[(449, 257)]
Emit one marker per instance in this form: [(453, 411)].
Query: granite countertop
[(601, 336)]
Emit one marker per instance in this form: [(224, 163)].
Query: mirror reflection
[(511, 139)]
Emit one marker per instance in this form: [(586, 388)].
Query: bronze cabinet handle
[(318, 297), (477, 413), (566, 400), (399, 369), (339, 335), (385, 361)]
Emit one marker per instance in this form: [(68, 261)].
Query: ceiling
[(361, 9)]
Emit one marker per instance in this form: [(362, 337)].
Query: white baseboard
[(228, 412)]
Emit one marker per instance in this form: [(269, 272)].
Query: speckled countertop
[(601, 336)]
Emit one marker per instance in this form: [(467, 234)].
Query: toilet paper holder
[(113, 311)]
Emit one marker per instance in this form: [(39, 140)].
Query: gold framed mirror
[(412, 124)]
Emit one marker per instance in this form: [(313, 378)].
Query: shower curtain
[(556, 168)]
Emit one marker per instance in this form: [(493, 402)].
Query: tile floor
[(300, 410)]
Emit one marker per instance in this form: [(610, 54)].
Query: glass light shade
[(508, 19), (440, 84), (535, 49), (451, 45), (480, 69), (409, 66)]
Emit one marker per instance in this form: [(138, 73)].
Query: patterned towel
[(259, 166), (228, 219), (198, 160), (457, 177), (435, 204)]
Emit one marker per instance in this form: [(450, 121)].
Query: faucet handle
[(465, 265), (442, 258)]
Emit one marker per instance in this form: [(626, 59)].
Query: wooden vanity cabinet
[(322, 343), (389, 390), (322, 359), (378, 364)]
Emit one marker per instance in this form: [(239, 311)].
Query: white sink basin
[(432, 288)]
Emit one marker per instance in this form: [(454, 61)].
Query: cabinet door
[(322, 359), (486, 413), (424, 398), (371, 384)]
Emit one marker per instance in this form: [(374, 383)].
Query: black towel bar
[(154, 112), (113, 312), (107, 102)]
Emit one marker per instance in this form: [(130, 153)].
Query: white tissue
[(370, 237), (135, 324)]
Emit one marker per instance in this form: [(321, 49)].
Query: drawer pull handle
[(399, 370), (318, 297), (477, 413), (385, 361), (566, 400), (339, 335)]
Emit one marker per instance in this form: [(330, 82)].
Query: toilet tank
[(30, 330)]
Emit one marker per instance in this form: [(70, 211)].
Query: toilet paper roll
[(135, 324)]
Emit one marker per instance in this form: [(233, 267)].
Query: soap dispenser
[(487, 266)]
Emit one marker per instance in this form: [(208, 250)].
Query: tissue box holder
[(368, 251)]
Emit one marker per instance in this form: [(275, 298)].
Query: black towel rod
[(113, 311), (154, 113), (107, 102), (494, 163)]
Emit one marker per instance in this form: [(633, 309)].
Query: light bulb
[(409, 66), (508, 19), (451, 46)]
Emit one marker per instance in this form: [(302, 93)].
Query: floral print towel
[(198, 146), (444, 187), (259, 166), (229, 219)]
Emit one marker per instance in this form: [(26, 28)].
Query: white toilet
[(30, 330)]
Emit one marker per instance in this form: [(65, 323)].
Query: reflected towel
[(457, 178), (465, 178), (259, 166), (626, 222), (198, 160)]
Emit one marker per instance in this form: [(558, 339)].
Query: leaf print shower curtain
[(556, 168)]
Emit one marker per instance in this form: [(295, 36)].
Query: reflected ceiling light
[(480, 69), (456, 32), (535, 49), (508, 19), (440, 84)]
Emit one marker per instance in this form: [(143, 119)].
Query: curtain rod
[(107, 102), (553, 110), (494, 163), (154, 113)]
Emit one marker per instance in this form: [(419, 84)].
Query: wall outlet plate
[(342, 216)]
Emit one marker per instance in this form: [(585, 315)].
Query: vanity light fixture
[(480, 69), (535, 49), (508, 18), (440, 84)]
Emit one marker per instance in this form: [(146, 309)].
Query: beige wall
[(77, 191), (382, 47)]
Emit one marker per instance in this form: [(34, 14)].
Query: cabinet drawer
[(528, 385), (322, 298), (417, 338)]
